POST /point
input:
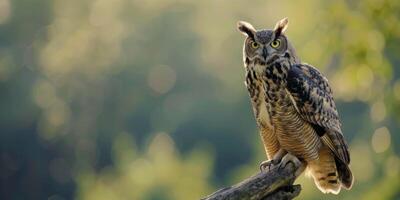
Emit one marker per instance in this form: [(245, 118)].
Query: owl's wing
[(313, 99)]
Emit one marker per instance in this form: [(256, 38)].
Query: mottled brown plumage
[(294, 107)]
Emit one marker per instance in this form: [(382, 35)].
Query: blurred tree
[(159, 174)]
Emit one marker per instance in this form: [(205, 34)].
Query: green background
[(129, 99)]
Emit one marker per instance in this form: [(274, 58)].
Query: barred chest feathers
[(266, 86), (275, 109)]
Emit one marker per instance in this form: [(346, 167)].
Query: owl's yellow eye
[(254, 45), (276, 43)]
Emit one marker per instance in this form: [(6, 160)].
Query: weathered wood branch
[(276, 183)]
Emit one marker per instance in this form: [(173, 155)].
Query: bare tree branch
[(276, 183)]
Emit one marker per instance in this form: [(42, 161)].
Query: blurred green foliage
[(128, 99)]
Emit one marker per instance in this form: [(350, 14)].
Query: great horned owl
[(294, 108)]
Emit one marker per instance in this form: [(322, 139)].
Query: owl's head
[(262, 45)]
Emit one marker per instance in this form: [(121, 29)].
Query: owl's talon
[(267, 164), (264, 165), (289, 158), (284, 164)]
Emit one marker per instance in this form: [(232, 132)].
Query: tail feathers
[(325, 178), (345, 175), (329, 172), (324, 172)]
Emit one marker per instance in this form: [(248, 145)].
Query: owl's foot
[(289, 158), (268, 164)]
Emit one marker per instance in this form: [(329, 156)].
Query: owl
[(294, 108)]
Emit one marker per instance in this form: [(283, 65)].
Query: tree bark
[(275, 183)]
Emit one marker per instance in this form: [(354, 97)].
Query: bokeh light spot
[(162, 144), (5, 11), (378, 111), (161, 79), (381, 140)]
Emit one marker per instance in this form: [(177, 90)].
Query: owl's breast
[(255, 87), (294, 133), (263, 110)]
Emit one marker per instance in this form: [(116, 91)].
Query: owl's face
[(262, 45)]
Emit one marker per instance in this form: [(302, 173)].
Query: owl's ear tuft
[(246, 28), (281, 26)]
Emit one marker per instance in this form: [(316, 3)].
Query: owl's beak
[(264, 53)]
